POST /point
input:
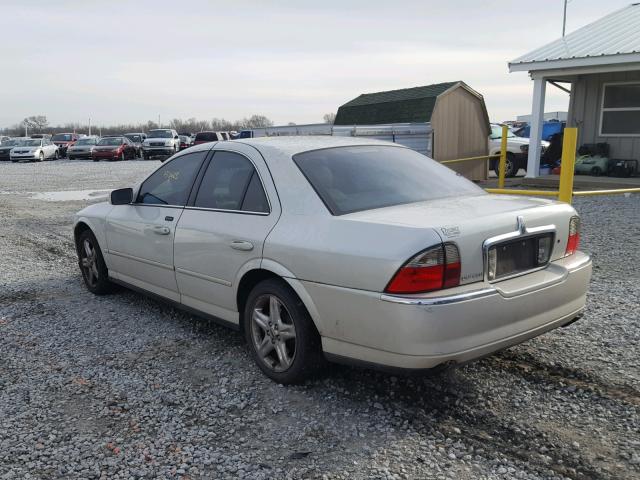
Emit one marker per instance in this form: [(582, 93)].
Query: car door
[(221, 232), (140, 235)]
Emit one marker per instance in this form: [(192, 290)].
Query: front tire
[(596, 171), (56, 155), (510, 166), (281, 336), (91, 262), (41, 157)]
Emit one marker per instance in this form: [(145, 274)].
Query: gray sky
[(293, 61)]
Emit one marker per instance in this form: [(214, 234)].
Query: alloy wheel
[(89, 262), (273, 333)]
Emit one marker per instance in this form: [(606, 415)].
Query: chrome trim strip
[(141, 260), (521, 232), (442, 300), (246, 212), (202, 276)]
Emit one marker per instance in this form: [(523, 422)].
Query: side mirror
[(122, 196), (176, 137)]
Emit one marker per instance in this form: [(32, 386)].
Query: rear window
[(62, 137), (206, 137), (352, 179)]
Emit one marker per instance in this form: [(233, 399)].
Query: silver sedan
[(341, 249)]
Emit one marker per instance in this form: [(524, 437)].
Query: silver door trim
[(139, 259), (202, 276)]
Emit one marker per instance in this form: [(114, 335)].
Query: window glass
[(622, 96), (206, 137), (255, 199), (621, 122), (225, 184), (351, 179), (171, 184)]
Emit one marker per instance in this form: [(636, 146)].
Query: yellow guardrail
[(565, 192)]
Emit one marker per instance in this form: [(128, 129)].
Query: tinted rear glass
[(62, 137), (206, 137), (352, 179)]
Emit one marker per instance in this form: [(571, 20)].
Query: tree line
[(40, 124)]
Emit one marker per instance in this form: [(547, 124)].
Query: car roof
[(292, 145)]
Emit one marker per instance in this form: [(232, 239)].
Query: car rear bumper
[(468, 322)]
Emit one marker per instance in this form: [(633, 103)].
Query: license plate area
[(519, 256)]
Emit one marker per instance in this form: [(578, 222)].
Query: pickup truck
[(517, 150)]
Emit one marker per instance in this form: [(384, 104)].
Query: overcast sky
[(293, 61)]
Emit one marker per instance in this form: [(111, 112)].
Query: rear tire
[(281, 336), (91, 262), (56, 155), (596, 171), (41, 157)]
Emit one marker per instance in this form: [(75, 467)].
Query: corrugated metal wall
[(585, 108)]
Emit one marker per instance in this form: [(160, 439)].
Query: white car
[(345, 249), (34, 150), (162, 141), (517, 151)]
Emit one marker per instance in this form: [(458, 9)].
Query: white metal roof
[(614, 38)]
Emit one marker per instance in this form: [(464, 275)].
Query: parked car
[(82, 148), (35, 150), (162, 141), (517, 151), (4, 139), (205, 137), (349, 249), (64, 141), (185, 141), (592, 165), (136, 139), (7, 146), (113, 148), (41, 135)]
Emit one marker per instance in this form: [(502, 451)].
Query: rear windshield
[(86, 141), (206, 137), (352, 179), (134, 138), (62, 137)]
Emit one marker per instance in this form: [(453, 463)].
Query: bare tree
[(257, 121), (329, 118), (35, 122)]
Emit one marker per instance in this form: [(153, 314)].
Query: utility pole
[(564, 18), (89, 126), (159, 124)]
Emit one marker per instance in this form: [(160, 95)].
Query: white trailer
[(416, 136)]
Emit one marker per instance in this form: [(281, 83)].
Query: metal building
[(456, 113), (600, 65)]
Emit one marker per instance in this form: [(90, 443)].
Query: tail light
[(574, 236), (433, 269)]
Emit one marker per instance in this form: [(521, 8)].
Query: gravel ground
[(126, 387)]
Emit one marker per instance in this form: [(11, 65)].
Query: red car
[(64, 141), (113, 148)]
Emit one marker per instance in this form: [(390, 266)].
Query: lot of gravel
[(125, 387)]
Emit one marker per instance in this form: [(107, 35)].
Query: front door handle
[(241, 245), (161, 230)]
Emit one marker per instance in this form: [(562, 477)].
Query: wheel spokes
[(261, 319), (283, 355), (273, 333), (274, 309)]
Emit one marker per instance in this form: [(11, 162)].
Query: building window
[(620, 110)]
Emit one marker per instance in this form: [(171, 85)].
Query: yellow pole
[(568, 165), (503, 156)]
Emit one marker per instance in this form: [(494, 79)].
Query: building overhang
[(607, 63)]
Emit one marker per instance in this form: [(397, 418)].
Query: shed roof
[(610, 38), (394, 106)]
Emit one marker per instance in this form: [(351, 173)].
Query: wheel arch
[(252, 277)]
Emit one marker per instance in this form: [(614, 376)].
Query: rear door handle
[(241, 245), (161, 230)]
